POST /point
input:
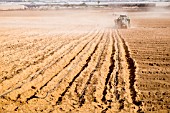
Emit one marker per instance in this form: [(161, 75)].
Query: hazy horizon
[(85, 0)]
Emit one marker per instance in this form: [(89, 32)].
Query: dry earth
[(75, 61)]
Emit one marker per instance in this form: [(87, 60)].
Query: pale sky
[(89, 0)]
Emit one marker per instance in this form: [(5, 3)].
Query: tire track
[(129, 79), (100, 70), (106, 92), (109, 74), (31, 77), (119, 85), (93, 94), (97, 67)]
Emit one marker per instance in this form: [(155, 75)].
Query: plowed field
[(74, 61)]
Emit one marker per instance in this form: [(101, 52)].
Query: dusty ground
[(75, 61)]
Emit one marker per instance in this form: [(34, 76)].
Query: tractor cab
[(122, 21)]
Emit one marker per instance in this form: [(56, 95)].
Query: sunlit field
[(75, 61)]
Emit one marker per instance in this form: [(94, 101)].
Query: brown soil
[(75, 61)]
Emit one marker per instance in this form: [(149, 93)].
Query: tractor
[(122, 22)]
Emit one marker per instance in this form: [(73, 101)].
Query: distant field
[(78, 5), (75, 61)]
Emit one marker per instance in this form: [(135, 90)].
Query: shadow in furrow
[(115, 87), (132, 68), (68, 63), (70, 84), (40, 60), (111, 68), (34, 95), (116, 78), (85, 66), (59, 72), (82, 99)]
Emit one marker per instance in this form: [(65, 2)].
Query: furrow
[(43, 79), (25, 65), (33, 76), (67, 66), (107, 98), (22, 65), (81, 70), (109, 74), (119, 85), (132, 70), (126, 94), (96, 68)]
